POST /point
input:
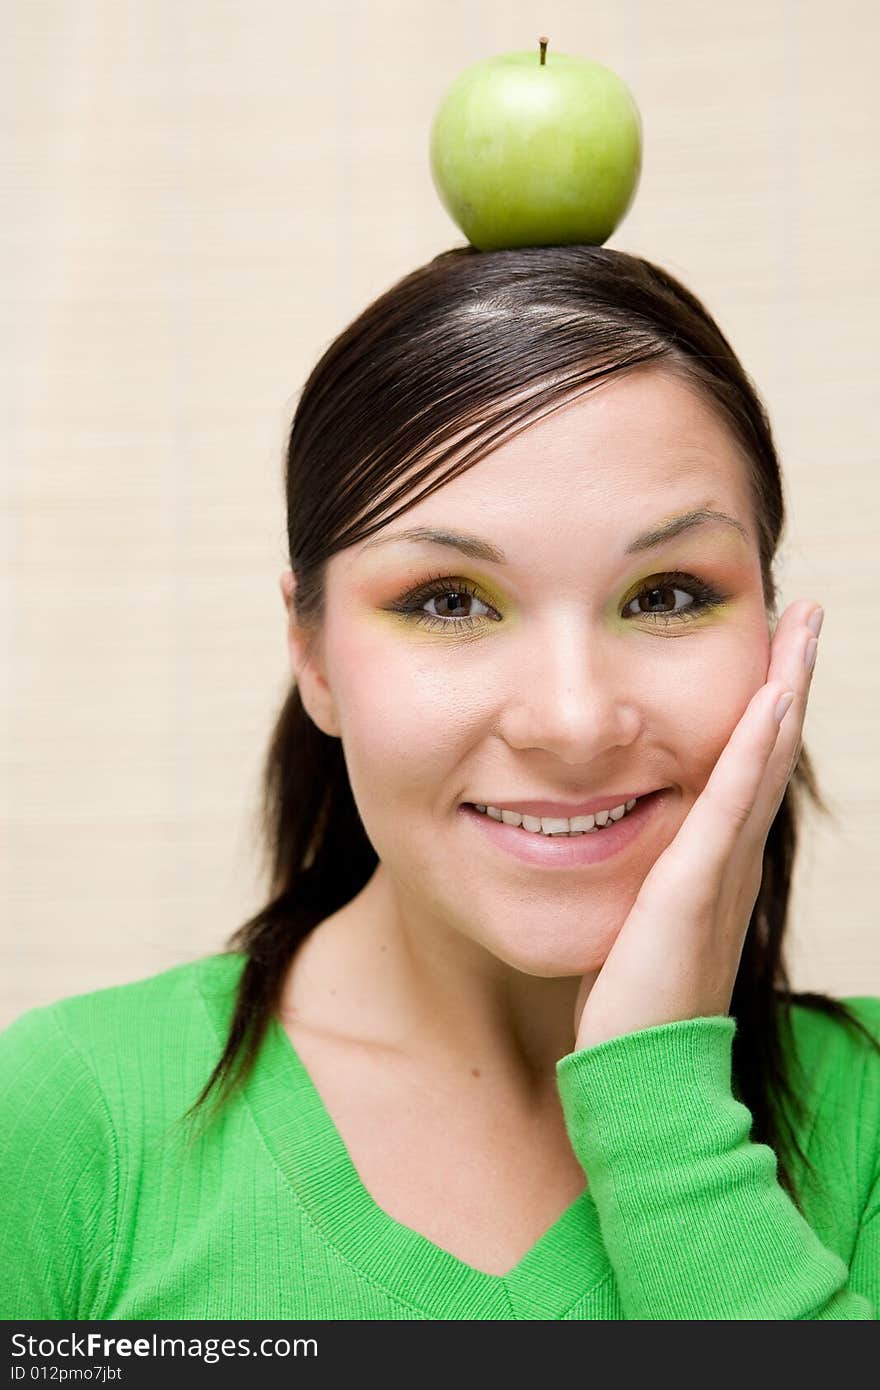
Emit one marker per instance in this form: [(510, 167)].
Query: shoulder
[(839, 1078), (834, 1053), (92, 1092), (88, 1019), (827, 1040), (151, 1035)]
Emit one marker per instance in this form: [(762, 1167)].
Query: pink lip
[(563, 851), (569, 809)]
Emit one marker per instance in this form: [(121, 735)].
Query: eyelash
[(411, 605)]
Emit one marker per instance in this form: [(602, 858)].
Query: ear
[(305, 649)]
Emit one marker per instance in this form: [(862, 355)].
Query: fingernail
[(810, 653), (782, 705), (814, 622)]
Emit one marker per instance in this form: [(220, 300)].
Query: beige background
[(197, 198)]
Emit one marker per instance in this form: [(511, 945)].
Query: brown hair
[(484, 340)]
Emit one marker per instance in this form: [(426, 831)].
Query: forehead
[(638, 423), (639, 447)]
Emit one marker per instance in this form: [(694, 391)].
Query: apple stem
[(543, 41)]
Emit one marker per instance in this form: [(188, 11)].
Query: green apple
[(535, 150)]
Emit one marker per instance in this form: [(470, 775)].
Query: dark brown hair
[(462, 351)]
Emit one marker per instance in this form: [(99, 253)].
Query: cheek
[(709, 693), (397, 720), (401, 730)]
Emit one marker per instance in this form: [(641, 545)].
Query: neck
[(376, 974)]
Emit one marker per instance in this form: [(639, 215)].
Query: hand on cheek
[(678, 952)]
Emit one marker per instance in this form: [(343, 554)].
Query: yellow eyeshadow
[(715, 612), (482, 624), (486, 591)]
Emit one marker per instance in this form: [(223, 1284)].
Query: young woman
[(513, 1036)]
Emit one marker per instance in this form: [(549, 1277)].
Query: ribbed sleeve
[(58, 1175), (692, 1216)]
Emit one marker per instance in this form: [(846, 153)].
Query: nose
[(573, 696)]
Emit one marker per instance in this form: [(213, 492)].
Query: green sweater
[(107, 1212)]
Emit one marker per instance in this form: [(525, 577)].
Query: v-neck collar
[(566, 1262)]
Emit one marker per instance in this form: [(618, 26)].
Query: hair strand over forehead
[(467, 351)]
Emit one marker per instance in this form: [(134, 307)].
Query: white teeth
[(558, 825), (554, 825)]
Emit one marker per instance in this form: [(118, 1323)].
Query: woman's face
[(577, 667)]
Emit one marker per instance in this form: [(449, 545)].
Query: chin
[(553, 955)]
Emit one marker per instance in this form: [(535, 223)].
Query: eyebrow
[(480, 549)]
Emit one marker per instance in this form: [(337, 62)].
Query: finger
[(788, 665), (736, 806), (717, 818)]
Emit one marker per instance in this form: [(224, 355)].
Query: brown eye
[(661, 599), (673, 597), (453, 603)]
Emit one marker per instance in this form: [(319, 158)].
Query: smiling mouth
[(549, 827), (556, 847), (566, 827)]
